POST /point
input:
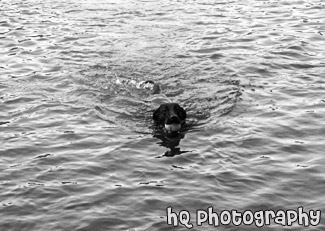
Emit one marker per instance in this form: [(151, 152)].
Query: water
[(77, 150)]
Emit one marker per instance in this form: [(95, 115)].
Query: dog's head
[(171, 116)]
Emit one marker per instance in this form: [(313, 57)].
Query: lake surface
[(77, 148)]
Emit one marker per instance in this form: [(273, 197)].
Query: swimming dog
[(169, 116)]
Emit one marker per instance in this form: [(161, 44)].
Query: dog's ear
[(155, 115), (182, 112)]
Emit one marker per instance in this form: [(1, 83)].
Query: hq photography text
[(234, 217)]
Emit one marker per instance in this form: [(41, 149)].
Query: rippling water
[(77, 148)]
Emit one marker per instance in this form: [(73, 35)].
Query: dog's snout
[(173, 120), (174, 117)]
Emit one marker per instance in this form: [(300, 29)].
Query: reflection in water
[(170, 141)]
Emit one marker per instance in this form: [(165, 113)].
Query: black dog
[(170, 116)]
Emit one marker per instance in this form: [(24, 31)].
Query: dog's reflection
[(170, 141)]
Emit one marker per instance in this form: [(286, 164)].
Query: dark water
[(77, 150)]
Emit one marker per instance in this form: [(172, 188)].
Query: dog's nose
[(173, 119)]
